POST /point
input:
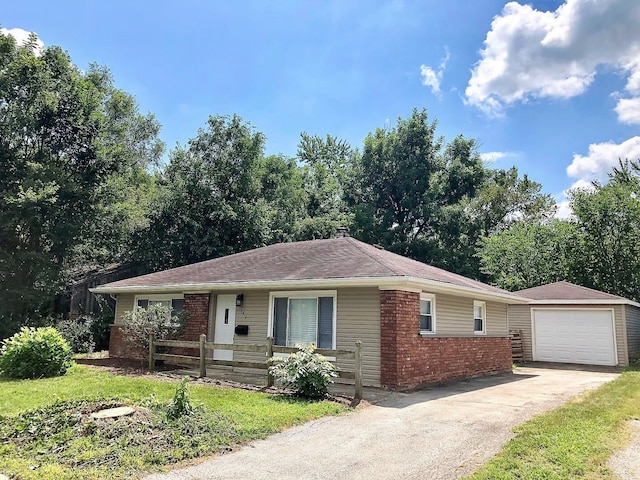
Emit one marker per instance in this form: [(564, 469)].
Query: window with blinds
[(303, 321), (176, 304), (427, 313), (479, 315)]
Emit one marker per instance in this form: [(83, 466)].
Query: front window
[(427, 314), (175, 303), (303, 319), (479, 317)]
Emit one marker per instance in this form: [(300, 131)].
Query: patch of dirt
[(169, 373), (626, 463)]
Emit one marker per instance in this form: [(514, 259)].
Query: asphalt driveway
[(440, 433)]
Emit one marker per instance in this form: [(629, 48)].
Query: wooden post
[(358, 392), (203, 357), (270, 380), (152, 352)]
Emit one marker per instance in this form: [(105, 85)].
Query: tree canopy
[(211, 204), (85, 183), (432, 200), (64, 133), (598, 248)]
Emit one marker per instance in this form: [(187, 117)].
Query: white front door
[(585, 336), (225, 325)]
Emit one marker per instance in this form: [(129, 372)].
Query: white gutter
[(621, 301), (381, 282)]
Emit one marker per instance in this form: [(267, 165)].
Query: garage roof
[(566, 292)]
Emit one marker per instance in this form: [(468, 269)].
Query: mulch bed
[(169, 373)]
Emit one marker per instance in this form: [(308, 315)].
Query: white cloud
[(628, 110), (564, 210), (602, 157), (595, 166), (580, 185), (432, 78), (535, 54), (491, 157), (22, 36)]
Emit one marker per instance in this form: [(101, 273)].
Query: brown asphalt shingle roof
[(566, 291), (338, 258)]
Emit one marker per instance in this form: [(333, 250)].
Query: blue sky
[(552, 87)]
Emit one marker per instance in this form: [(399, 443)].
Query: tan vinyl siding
[(254, 312), (621, 337), (358, 318), (520, 319), (124, 303), (632, 316), (454, 317), (497, 319)]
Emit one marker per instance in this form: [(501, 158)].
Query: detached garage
[(567, 323)]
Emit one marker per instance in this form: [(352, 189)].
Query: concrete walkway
[(440, 433)]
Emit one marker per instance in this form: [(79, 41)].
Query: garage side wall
[(632, 317), (519, 317)]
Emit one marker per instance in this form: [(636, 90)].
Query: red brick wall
[(197, 322), (119, 347), (409, 360)]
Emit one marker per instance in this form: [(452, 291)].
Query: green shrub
[(78, 333), (35, 353), (157, 319), (306, 372)]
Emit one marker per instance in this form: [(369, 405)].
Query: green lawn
[(50, 435), (574, 441)]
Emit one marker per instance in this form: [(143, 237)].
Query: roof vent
[(342, 232)]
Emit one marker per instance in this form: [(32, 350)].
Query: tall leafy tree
[(327, 177), (598, 248), (398, 171), (434, 201), (529, 254), (212, 203), (286, 200), (608, 222), (63, 133)]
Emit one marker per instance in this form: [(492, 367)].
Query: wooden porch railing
[(269, 349)]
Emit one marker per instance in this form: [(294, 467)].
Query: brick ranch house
[(418, 324)]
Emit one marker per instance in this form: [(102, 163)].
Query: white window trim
[(431, 297), (173, 296), (305, 294), (479, 303)]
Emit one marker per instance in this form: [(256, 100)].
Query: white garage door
[(574, 336)]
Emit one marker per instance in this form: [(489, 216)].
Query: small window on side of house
[(479, 317), (427, 314)]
